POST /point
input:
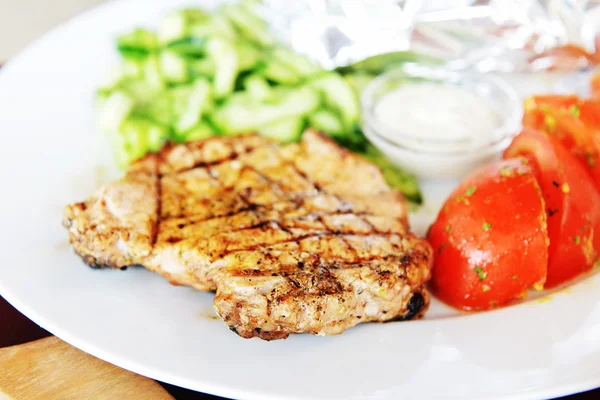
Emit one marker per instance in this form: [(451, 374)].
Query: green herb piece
[(485, 288), (487, 226), (576, 239), (506, 170), (481, 273), (447, 228), (574, 110), (470, 191)]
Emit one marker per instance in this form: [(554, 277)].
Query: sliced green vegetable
[(218, 26), (115, 108), (190, 46), (152, 73), (285, 131), (280, 73), (358, 81), (244, 116), (204, 67), (137, 44), (326, 121), (339, 96), (249, 55), (225, 58), (383, 62), (257, 87), (394, 176), (297, 63), (173, 67), (195, 105), (177, 25), (249, 25), (201, 131)]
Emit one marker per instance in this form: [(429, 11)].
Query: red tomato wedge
[(490, 238), (572, 204), (573, 121)]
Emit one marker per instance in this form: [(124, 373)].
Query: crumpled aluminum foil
[(488, 35)]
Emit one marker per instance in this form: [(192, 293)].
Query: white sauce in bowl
[(435, 115)]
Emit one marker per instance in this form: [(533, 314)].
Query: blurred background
[(22, 21)]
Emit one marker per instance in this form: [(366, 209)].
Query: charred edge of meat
[(94, 264), (415, 305)]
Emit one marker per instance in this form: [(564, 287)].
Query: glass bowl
[(441, 157)]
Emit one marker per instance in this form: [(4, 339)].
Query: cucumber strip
[(115, 108), (223, 53), (395, 177), (173, 67), (280, 73), (196, 103), (327, 122), (139, 90), (172, 27), (339, 96), (159, 108), (257, 87), (201, 131), (204, 67), (358, 81), (142, 136), (249, 55), (134, 138), (177, 25), (218, 25), (152, 74), (249, 25), (284, 131), (244, 116), (137, 44), (298, 63), (189, 46)]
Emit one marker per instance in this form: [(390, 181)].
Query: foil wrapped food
[(487, 35)]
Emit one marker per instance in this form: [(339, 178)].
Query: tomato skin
[(490, 238), (572, 204), (573, 121)]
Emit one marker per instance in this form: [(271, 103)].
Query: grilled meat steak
[(302, 238)]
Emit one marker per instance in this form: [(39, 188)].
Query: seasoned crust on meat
[(302, 238)]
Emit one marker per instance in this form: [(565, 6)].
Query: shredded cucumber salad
[(203, 74)]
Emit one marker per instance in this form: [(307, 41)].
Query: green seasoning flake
[(460, 198), (470, 191), (506, 170), (482, 274), (447, 228), (576, 239), (574, 110), (487, 226), (485, 288)]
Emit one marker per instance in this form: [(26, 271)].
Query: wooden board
[(51, 369)]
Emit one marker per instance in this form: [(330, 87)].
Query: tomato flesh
[(572, 205), (573, 121), (490, 238)]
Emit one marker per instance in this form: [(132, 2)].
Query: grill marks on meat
[(302, 238)]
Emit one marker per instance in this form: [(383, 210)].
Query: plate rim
[(590, 382)]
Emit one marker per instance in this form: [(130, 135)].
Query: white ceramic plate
[(51, 155)]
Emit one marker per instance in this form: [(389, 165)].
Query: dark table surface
[(17, 329)]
